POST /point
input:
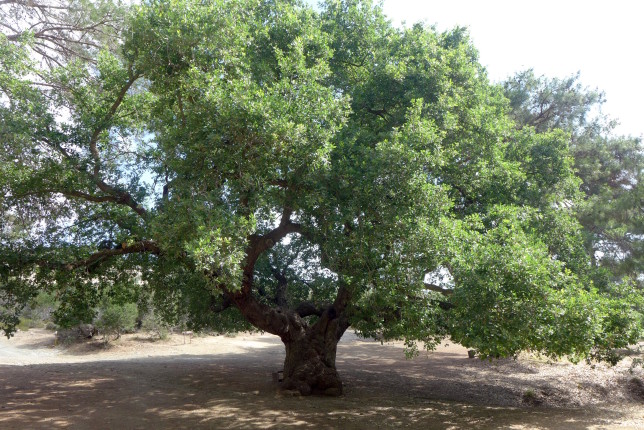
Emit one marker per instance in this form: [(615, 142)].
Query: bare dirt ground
[(220, 382)]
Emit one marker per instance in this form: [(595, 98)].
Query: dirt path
[(223, 382)]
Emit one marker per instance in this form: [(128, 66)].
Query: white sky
[(604, 40)]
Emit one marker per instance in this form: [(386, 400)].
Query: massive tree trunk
[(309, 366)]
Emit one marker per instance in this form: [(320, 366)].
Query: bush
[(116, 319), (43, 306), (153, 323), (27, 323), (38, 312)]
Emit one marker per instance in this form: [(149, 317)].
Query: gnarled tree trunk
[(309, 366)]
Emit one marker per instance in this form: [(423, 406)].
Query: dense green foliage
[(610, 168), (236, 161), (115, 319)]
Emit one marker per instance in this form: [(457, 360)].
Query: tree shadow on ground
[(235, 391), (38, 343)]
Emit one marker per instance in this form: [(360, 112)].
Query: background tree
[(609, 166), (59, 31), (259, 163)]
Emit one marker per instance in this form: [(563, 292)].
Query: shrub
[(153, 323), (116, 319), (27, 323), (38, 312)]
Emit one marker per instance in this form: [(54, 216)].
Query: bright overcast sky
[(604, 40)]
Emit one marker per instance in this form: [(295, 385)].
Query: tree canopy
[(261, 163)]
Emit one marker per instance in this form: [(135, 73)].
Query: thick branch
[(334, 320), (379, 112), (463, 194), (264, 317), (144, 246), (258, 244), (444, 304), (543, 116), (124, 198), (279, 183), (282, 283), (443, 291), (120, 196), (220, 306), (115, 195), (306, 309)]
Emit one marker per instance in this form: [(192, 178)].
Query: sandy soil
[(218, 382)]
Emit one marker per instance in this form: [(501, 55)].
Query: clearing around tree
[(222, 382)]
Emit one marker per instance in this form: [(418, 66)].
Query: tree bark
[(309, 366)]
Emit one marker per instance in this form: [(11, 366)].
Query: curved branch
[(123, 199), (306, 309), (97, 132), (444, 304), (282, 284), (258, 244), (266, 318), (382, 113), (273, 320), (467, 200), (120, 196), (144, 246), (218, 306)]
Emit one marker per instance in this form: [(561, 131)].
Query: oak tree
[(258, 163)]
